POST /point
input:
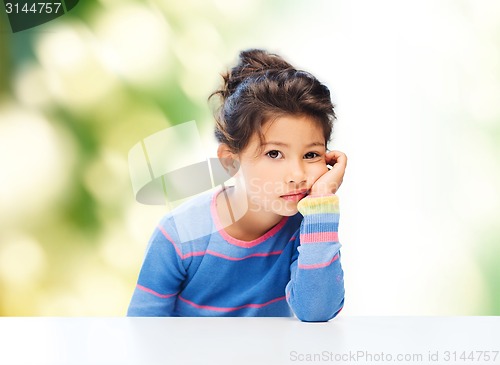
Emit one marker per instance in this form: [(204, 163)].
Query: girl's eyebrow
[(321, 144)]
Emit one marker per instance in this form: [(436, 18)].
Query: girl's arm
[(316, 289), (161, 276)]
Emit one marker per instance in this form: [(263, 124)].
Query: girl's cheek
[(321, 169), (314, 174)]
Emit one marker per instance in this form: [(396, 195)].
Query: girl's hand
[(330, 181)]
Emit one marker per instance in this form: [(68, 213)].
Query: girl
[(267, 246)]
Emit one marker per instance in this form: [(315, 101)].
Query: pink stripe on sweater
[(150, 291), (319, 237), (318, 266), (258, 254), (167, 236), (196, 253), (230, 309), (177, 249)]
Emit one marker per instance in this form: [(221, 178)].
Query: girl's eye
[(311, 155), (274, 154)]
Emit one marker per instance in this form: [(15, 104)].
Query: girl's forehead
[(293, 128)]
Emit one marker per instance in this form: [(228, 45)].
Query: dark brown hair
[(262, 87)]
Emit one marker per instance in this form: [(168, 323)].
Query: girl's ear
[(228, 159)]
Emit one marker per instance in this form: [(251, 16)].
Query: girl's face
[(279, 173)]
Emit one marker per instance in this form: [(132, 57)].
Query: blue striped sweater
[(192, 267)]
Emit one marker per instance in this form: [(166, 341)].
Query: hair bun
[(263, 86), (252, 63)]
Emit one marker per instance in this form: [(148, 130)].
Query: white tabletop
[(150, 341)]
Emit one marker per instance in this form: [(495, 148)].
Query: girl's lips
[(295, 197)]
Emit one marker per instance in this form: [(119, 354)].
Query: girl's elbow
[(319, 315), (316, 317), (313, 318)]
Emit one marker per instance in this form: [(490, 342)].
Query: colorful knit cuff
[(319, 204)]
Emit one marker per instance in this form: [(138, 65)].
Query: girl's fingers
[(339, 162), (336, 157), (329, 182)]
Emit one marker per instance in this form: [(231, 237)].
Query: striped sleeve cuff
[(319, 204), (321, 219)]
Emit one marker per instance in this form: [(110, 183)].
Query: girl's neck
[(238, 220)]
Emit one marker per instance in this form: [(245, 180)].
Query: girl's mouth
[(295, 196)]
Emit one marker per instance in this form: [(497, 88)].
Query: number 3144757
[(37, 8)]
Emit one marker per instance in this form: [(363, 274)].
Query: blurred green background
[(416, 86)]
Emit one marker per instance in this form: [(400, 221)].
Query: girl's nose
[(295, 173)]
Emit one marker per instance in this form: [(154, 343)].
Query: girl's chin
[(283, 207), (289, 211)]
